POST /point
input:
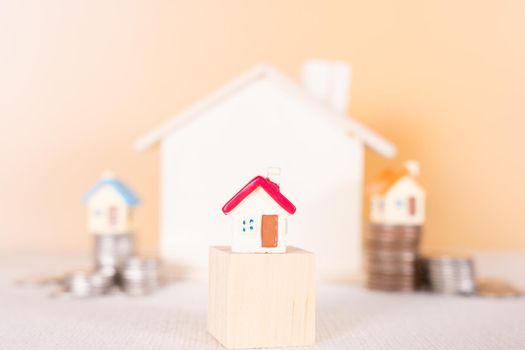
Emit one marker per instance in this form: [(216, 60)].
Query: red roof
[(270, 187)]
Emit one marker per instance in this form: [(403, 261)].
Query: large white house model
[(397, 197), (259, 214), (262, 118)]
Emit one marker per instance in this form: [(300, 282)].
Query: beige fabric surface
[(348, 317)]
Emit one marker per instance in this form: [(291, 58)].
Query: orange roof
[(386, 179)]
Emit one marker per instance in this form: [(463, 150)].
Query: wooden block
[(261, 300)]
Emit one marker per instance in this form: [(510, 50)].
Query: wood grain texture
[(261, 300)]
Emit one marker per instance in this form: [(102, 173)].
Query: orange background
[(80, 80)]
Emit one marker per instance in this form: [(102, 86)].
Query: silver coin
[(141, 276), (112, 250), (451, 274), (83, 284)]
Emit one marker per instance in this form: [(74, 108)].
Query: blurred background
[(81, 80)]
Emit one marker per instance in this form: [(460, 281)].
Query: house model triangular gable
[(263, 71)]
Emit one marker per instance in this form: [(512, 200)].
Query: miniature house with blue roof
[(110, 206)]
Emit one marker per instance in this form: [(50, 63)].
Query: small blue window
[(248, 225), (399, 203)]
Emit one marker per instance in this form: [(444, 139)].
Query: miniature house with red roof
[(397, 197), (259, 212)]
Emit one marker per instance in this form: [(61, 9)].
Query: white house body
[(259, 119)]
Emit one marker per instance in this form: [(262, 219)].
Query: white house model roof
[(358, 130)]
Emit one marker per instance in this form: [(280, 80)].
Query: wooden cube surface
[(261, 300)]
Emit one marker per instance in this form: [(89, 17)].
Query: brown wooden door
[(269, 231), (112, 216), (412, 206)]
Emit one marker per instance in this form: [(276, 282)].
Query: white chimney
[(328, 81), (412, 166), (274, 174)]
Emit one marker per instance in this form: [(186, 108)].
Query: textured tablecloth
[(348, 317)]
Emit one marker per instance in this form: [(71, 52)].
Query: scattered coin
[(40, 281), (497, 288), (83, 284), (115, 268)]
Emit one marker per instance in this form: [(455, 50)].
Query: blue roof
[(129, 197)]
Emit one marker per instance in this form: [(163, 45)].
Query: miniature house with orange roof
[(397, 197), (259, 212), (110, 206)]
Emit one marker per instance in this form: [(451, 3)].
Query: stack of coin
[(83, 284), (141, 276), (111, 251), (422, 278), (451, 274), (390, 257)]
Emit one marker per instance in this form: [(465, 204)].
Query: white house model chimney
[(329, 82), (412, 166), (274, 174)]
